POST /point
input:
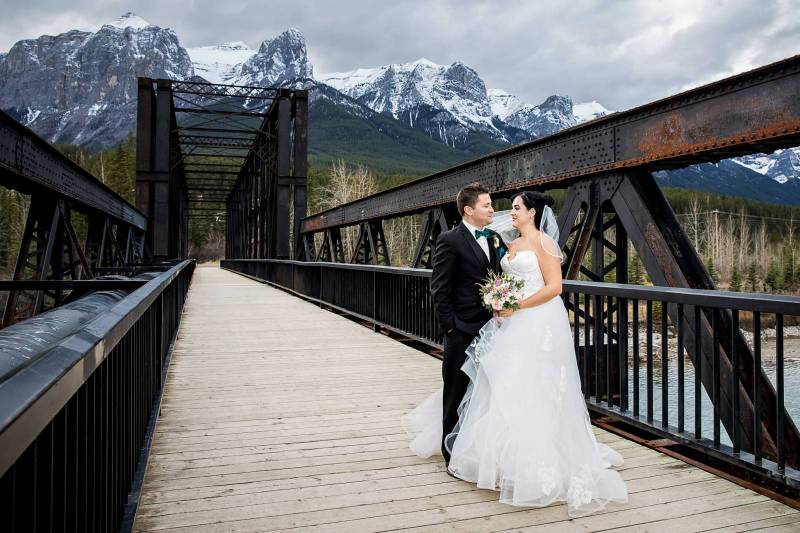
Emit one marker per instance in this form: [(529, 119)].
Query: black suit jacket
[(459, 269)]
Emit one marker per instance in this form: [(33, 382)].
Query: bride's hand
[(504, 313)]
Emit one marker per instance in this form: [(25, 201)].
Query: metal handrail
[(31, 398), (744, 301)]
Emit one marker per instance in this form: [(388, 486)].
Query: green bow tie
[(482, 233)]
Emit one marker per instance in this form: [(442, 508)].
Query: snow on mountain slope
[(129, 20), (782, 165), (589, 111), (220, 63), (449, 102)]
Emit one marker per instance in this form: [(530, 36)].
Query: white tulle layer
[(523, 428)]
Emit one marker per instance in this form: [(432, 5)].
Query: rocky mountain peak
[(558, 102), (129, 20), (80, 87), (786, 165), (466, 78), (278, 61)]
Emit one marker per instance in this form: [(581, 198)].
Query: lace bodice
[(525, 265)]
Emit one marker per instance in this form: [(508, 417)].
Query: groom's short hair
[(468, 196)]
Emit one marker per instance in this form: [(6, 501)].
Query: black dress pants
[(455, 381)]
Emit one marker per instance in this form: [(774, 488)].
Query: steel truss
[(613, 199), (271, 185), (50, 249), (206, 147), (370, 247)]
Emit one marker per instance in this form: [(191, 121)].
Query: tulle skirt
[(523, 427)]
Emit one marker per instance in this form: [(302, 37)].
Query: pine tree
[(712, 271), (773, 279), (736, 278), (789, 276), (752, 278)]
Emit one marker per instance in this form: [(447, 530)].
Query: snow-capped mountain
[(552, 115), (277, 61), (731, 178), (90, 85), (449, 102), (80, 87), (782, 165)]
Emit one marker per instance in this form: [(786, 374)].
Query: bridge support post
[(300, 172), (282, 224), (160, 191)]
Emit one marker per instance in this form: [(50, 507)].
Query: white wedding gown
[(523, 426)]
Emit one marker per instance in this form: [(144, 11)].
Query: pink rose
[(496, 305)]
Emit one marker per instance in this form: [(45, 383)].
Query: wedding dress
[(523, 426)]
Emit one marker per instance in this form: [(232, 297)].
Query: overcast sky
[(621, 53)]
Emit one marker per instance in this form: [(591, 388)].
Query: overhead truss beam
[(31, 165)]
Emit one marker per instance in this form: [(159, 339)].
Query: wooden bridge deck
[(279, 415)]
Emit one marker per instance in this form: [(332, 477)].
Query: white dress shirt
[(482, 242)]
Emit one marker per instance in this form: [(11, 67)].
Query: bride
[(523, 427)]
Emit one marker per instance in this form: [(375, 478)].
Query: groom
[(463, 258)]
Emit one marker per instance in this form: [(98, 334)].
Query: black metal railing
[(627, 341), (396, 299), (74, 420)]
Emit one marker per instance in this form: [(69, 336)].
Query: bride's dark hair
[(535, 200)]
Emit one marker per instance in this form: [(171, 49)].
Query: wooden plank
[(387, 510), (280, 415), (751, 515), (790, 521)]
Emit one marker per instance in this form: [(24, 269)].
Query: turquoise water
[(791, 376)]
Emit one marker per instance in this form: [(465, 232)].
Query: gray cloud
[(622, 53)]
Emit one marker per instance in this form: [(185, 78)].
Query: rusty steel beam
[(747, 113), (32, 166)]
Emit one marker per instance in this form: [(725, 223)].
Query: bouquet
[(501, 291)]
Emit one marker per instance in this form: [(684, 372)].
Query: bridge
[(140, 391)]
